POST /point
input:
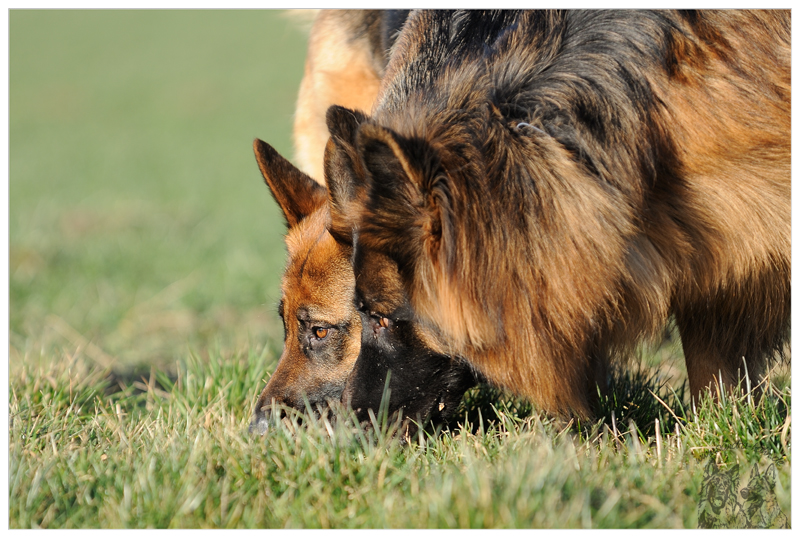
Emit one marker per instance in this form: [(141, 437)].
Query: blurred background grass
[(139, 224)]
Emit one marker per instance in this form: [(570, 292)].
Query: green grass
[(145, 260), (89, 450)]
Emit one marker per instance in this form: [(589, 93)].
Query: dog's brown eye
[(321, 332)]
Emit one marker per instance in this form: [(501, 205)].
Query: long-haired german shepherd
[(548, 188), (323, 328)]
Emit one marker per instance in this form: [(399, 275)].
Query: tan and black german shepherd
[(345, 61), (545, 189), (323, 328)]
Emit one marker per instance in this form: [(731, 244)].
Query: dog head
[(402, 366), (322, 328), (400, 358)]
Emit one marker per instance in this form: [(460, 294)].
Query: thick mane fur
[(564, 182)]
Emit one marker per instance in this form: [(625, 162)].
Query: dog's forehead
[(305, 234), (319, 278), (319, 297), (324, 264)]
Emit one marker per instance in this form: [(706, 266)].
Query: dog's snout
[(266, 410), (260, 423)]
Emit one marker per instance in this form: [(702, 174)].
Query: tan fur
[(342, 66), (745, 144), (318, 278), (317, 290), (340, 69)]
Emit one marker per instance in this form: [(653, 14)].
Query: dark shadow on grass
[(138, 381), (639, 395)]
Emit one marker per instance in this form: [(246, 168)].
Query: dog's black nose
[(260, 423), (265, 413)]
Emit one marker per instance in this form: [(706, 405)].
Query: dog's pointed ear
[(343, 123), (296, 193), (408, 195), (344, 173), (386, 156)]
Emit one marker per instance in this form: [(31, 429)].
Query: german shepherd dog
[(546, 189), (345, 61), (323, 328)]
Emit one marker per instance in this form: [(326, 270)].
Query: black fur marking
[(424, 386)]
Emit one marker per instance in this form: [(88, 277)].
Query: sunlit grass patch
[(89, 449)]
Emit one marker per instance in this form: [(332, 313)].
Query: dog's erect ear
[(408, 196), (296, 193), (389, 159), (343, 123), (344, 173)]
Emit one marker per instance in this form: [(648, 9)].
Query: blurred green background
[(140, 228)]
